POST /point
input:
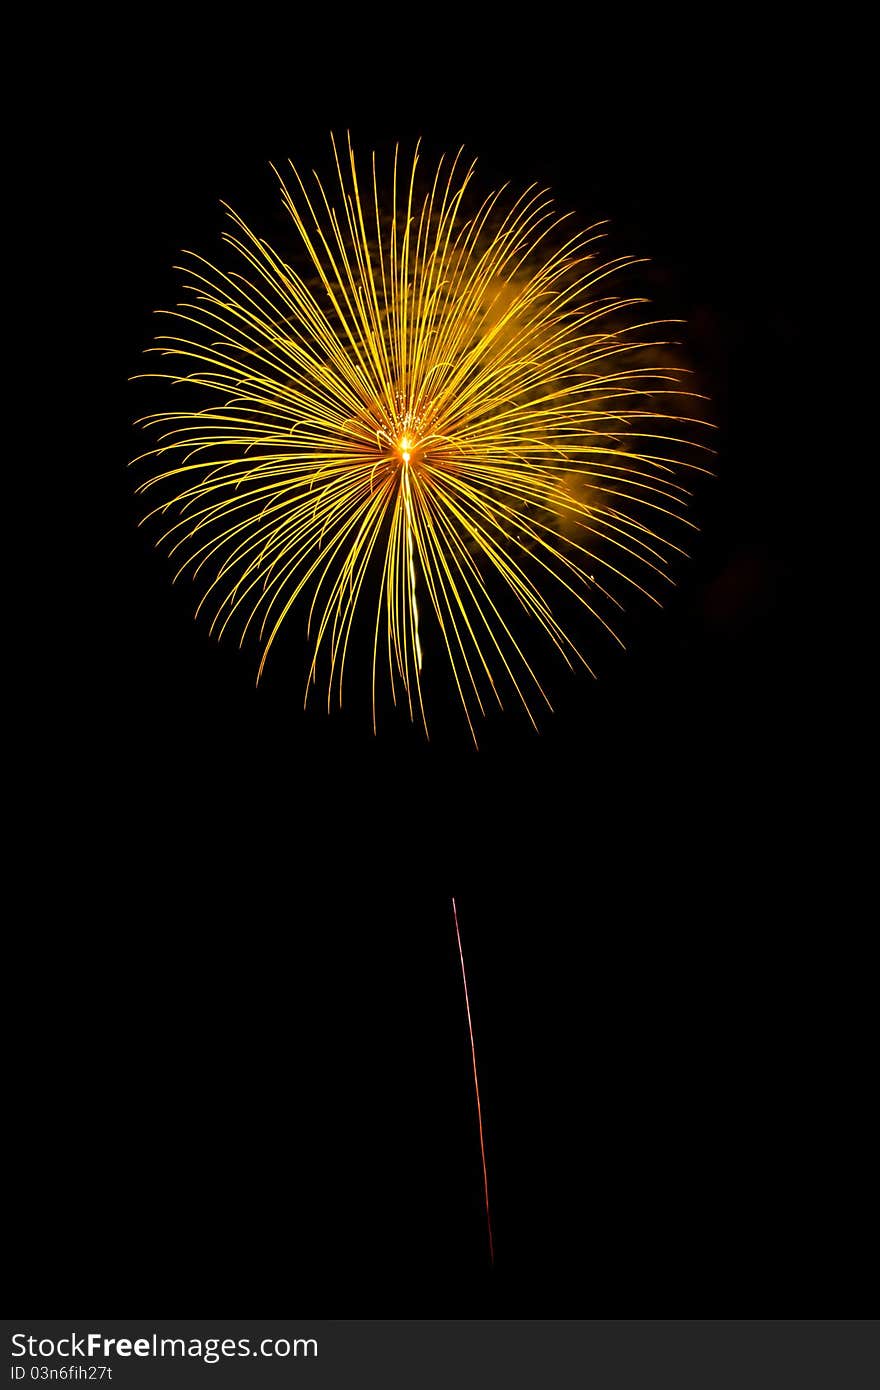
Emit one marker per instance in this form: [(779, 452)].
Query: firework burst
[(432, 415)]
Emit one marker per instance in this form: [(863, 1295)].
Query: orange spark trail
[(476, 1084)]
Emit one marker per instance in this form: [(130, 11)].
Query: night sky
[(249, 1021)]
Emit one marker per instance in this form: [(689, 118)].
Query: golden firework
[(433, 415)]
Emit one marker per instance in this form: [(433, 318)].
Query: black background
[(244, 1069)]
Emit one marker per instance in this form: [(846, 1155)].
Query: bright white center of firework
[(405, 449)]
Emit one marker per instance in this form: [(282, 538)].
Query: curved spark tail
[(476, 1084)]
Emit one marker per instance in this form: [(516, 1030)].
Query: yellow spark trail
[(407, 502)]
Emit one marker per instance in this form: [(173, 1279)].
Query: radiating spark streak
[(407, 504), (467, 1006), (435, 392)]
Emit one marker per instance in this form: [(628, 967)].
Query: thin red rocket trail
[(467, 1006)]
